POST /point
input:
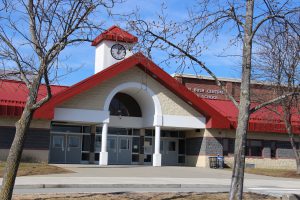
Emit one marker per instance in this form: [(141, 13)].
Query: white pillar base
[(103, 158), (156, 160)]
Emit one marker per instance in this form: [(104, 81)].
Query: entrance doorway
[(65, 148), (169, 151), (119, 150)]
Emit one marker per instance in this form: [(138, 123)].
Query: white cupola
[(112, 46)]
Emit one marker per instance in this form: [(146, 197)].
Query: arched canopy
[(124, 105)]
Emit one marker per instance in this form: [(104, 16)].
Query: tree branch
[(280, 98), (199, 63)]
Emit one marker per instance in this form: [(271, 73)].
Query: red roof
[(13, 95), (219, 113), (214, 118), (115, 33), (263, 120)]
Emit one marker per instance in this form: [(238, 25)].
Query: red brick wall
[(208, 89)]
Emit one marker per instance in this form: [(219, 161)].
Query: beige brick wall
[(45, 124), (95, 97), (267, 163)]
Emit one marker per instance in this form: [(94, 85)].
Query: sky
[(81, 58)]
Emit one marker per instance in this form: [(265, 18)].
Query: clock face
[(118, 51)]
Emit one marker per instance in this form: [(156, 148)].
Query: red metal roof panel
[(115, 33)]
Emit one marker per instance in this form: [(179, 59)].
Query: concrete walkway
[(131, 178)]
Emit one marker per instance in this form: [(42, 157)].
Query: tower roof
[(115, 33)]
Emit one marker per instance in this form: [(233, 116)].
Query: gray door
[(124, 150), (57, 150), (73, 149), (169, 151), (112, 150)]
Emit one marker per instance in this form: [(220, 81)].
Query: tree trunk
[(237, 180), (288, 125), (16, 149), (14, 156)]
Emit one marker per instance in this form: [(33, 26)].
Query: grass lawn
[(273, 172), (27, 169), (138, 196)]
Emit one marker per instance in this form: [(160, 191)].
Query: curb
[(39, 186)]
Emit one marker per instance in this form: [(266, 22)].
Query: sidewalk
[(122, 177)]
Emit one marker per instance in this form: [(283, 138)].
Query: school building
[(131, 112)]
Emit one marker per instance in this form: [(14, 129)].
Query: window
[(86, 142), (97, 143), (254, 148), (58, 141), (73, 141), (124, 144), (111, 144), (65, 128), (273, 149), (181, 146), (135, 144), (172, 146), (124, 105)]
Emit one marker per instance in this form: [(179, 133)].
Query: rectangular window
[(124, 144), (181, 159), (97, 143), (273, 149), (147, 158), (135, 144), (172, 146), (181, 146), (73, 141), (231, 144), (58, 141), (65, 128), (86, 142), (111, 144), (135, 158), (149, 132), (254, 148), (225, 147)]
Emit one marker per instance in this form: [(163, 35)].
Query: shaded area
[(138, 196)]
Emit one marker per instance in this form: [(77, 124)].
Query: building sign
[(206, 93)]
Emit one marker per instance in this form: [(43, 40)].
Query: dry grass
[(273, 172), (138, 196), (27, 169)]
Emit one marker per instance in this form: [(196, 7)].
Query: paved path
[(91, 178)]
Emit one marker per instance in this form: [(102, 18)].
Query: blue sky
[(81, 58)]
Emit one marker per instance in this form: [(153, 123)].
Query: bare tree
[(32, 36), (185, 41), (278, 63)]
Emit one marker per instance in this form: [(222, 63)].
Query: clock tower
[(112, 46)]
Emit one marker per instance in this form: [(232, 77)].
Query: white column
[(157, 155), (103, 154)]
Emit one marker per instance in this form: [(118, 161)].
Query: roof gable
[(115, 33), (214, 118)]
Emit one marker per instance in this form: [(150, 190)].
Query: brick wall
[(36, 138), (208, 89)]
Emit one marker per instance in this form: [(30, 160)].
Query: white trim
[(126, 122), (80, 115), (183, 121), (156, 118)]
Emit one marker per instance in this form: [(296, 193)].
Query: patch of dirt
[(27, 169), (139, 196)]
